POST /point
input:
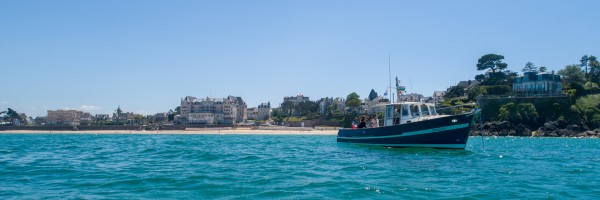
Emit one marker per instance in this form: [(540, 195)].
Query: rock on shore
[(558, 128)]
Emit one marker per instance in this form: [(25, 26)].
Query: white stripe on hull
[(426, 131), (445, 146)]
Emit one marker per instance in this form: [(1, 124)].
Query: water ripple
[(291, 167)]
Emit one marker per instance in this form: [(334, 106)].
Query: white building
[(64, 117), (229, 110), (264, 111), (412, 97), (297, 99), (534, 84), (252, 113), (438, 96)]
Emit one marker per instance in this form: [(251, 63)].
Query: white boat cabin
[(407, 112)]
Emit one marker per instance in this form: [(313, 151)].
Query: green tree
[(528, 113), (455, 91), (172, 113), (529, 67), (572, 74), (287, 107), (480, 78), (277, 115), (308, 107), (584, 63), (353, 101), (12, 114), (372, 95), (497, 90), (497, 76), (509, 112), (523, 113), (139, 119), (492, 62), (542, 69), (588, 107), (473, 93), (594, 65), (334, 108), (591, 87)]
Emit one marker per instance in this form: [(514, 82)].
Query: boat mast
[(390, 76)]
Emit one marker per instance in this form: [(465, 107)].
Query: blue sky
[(146, 55)]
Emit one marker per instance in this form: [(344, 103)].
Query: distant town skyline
[(145, 56)]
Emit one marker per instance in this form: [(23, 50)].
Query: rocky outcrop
[(501, 128), (559, 128)]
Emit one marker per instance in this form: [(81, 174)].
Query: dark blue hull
[(450, 132)]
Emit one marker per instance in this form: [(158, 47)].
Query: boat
[(414, 124)]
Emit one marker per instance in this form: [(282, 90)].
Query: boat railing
[(457, 109)]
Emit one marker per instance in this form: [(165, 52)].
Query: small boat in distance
[(414, 124)]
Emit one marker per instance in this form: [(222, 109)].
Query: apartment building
[(228, 110)]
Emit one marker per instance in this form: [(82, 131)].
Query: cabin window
[(432, 110), (405, 110), (414, 109), (424, 110)]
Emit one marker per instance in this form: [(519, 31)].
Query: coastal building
[(533, 83), (102, 118), (229, 110), (157, 118), (325, 104), (438, 96), (161, 117), (264, 111), (252, 113), (291, 103), (123, 117), (331, 104), (297, 99), (64, 117), (340, 103), (468, 84), (412, 97), (40, 120), (429, 100), (86, 118)]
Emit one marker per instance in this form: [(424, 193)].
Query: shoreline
[(183, 132), (224, 132)]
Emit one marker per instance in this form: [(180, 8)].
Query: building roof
[(534, 76)]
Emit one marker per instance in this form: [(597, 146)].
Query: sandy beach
[(196, 131)]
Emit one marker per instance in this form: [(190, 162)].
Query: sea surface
[(88, 166)]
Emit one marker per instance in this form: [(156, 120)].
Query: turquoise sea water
[(35, 166)]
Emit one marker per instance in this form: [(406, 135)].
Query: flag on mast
[(400, 88)]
